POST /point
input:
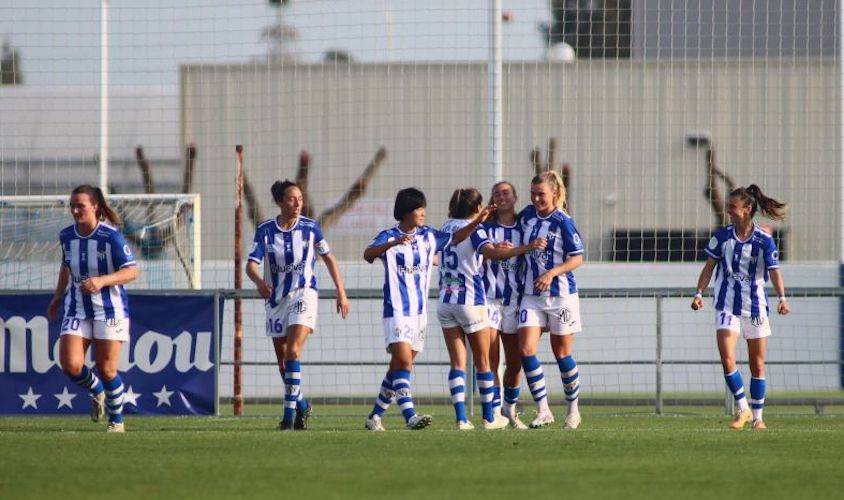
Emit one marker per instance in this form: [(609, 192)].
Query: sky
[(59, 41)]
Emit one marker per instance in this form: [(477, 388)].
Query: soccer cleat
[(542, 419), (758, 424), (572, 420), (116, 427), (516, 423), (464, 425), (97, 407), (498, 422), (285, 425), (417, 422), (374, 424), (301, 421), (741, 418)]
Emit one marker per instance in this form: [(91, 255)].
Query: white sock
[(742, 404), (542, 406), (757, 413), (573, 406)]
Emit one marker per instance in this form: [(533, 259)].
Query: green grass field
[(629, 455)]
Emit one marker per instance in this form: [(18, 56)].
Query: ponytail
[(753, 195), (464, 203), (104, 212), (554, 180)]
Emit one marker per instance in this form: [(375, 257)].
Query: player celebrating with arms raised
[(550, 297), (288, 245), (407, 252), (96, 263), (745, 257)]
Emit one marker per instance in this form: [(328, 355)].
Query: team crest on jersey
[(127, 250), (713, 243)]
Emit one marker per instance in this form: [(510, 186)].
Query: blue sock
[(114, 399), (570, 377), (486, 381), (404, 396), (457, 385), (87, 379), (292, 388), (757, 396), (302, 403), (385, 396), (736, 386), (511, 395), (535, 377), (496, 396)]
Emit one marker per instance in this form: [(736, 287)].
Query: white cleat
[(116, 427), (498, 422), (516, 423), (572, 420), (97, 407), (542, 419), (465, 425), (374, 424), (417, 422)]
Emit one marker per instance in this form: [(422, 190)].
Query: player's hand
[(543, 282), (264, 289), (92, 285), (538, 244), (342, 305), (697, 303), (504, 244), (783, 308), (486, 213), (404, 239), (53, 308)]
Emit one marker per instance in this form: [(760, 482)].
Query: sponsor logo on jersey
[(287, 268), (741, 278), (413, 269)]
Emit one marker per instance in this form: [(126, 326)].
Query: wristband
[(699, 295), (782, 298)]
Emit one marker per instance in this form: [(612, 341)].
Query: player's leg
[(756, 349), (73, 345), (564, 323), (295, 343), (528, 342), (727, 335), (455, 343), (479, 341), (494, 364), (513, 361), (401, 364), (280, 348), (107, 356)]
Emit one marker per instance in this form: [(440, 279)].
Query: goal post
[(163, 230)]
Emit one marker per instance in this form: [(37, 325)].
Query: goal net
[(163, 231)]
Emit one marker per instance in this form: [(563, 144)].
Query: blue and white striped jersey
[(407, 269), (102, 252), (289, 256), (503, 278), (742, 271), (563, 242), (462, 267)]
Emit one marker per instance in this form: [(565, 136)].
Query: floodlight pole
[(494, 92), (103, 163)]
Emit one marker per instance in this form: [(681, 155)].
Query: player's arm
[(254, 274), (779, 287), (61, 286), (543, 282), (506, 250), (467, 230), (334, 271), (122, 276), (703, 282), (374, 251)]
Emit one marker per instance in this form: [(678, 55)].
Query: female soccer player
[(550, 297), (288, 245), (407, 252), (462, 307), (503, 283), (746, 256), (96, 263)]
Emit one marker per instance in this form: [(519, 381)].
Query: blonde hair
[(554, 180)]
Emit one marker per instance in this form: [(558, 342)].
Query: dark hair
[(464, 203), (278, 188), (753, 195), (408, 200), (104, 212)]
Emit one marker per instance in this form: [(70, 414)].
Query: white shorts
[(503, 318), (298, 308), (408, 329), (470, 319), (752, 328), (108, 329), (561, 315)]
